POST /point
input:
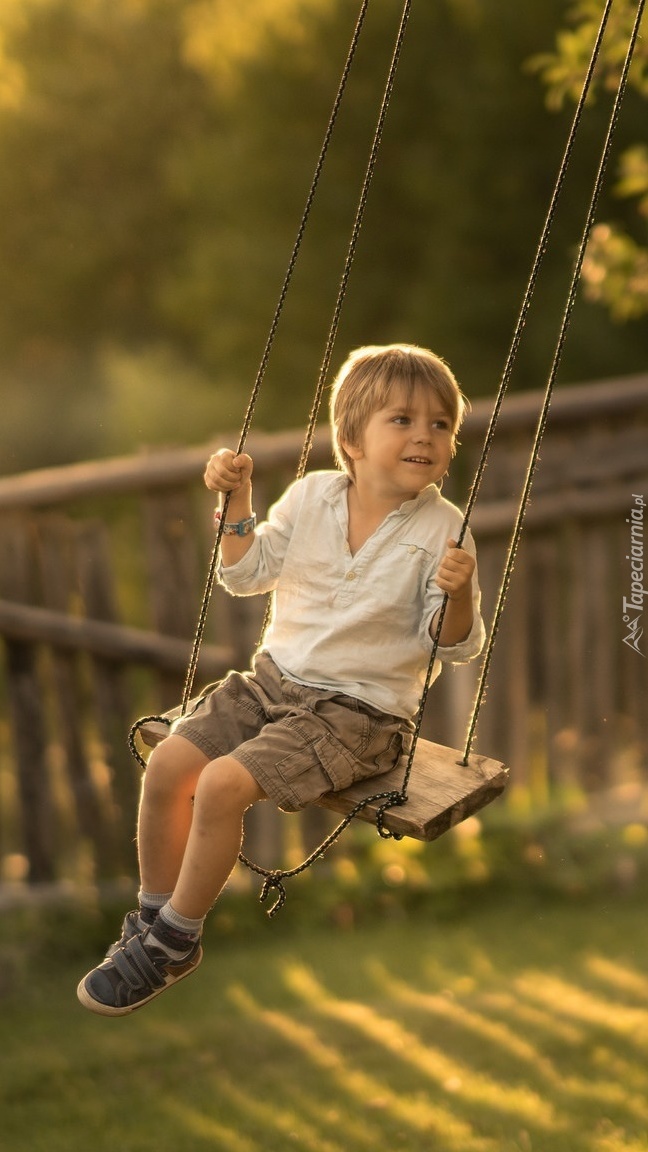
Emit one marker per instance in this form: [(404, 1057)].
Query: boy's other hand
[(454, 574), (227, 472)]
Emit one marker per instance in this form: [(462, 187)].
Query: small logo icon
[(635, 632), (635, 601)]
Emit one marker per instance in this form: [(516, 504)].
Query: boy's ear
[(353, 451)]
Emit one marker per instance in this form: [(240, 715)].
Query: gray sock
[(174, 933), (149, 906)]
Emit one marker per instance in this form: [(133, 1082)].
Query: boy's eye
[(442, 424)]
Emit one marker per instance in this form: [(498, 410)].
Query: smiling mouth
[(417, 460)]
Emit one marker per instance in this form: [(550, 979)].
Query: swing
[(433, 787), (442, 790)]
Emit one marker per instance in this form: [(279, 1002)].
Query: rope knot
[(394, 801), (274, 880)]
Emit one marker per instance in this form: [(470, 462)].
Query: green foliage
[(615, 271), (88, 229), (563, 70), (99, 95), (154, 160)]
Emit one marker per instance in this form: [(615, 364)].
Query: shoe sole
[(100, 1009)]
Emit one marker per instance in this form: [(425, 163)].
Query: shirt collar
[(338, 484)]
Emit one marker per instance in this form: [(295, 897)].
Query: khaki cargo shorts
[(297, 742)]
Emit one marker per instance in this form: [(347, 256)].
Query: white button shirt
[(354, 624)]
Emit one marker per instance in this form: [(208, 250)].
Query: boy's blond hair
[(365, 380)]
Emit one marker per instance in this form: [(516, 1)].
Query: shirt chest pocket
[(396, 583), (414, 566)]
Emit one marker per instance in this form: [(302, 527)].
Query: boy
[(359, 560)]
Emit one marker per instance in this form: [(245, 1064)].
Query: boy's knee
[(228, 786), (174, 763)]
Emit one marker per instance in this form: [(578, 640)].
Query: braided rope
[(564, 325), (260, 375), (398, 798), (214, 561), (355, 232), (274, 879), (502, 389)]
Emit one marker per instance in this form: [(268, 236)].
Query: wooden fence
[(102, 567)]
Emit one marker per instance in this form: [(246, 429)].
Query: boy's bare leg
[(166, 811), (204, 846), (224, 791)]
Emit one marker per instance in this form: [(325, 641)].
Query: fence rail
[(101, 573)]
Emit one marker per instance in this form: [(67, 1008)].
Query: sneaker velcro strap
[(136, 967)]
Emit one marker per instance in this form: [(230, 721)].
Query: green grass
[(520, 1025)]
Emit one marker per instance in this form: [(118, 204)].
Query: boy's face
[(405, 446)]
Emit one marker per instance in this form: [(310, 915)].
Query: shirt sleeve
[(259, 570), (466, 649)]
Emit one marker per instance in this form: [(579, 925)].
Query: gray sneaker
[(135, 974)]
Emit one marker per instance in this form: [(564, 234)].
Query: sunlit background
[(486, 993), (155, 161)]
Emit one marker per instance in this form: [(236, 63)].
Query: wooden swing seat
[(441, 792)]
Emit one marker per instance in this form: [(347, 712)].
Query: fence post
[(25, 692)]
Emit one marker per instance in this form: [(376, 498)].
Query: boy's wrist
[(464, 595), (239, 505), (241, 527)]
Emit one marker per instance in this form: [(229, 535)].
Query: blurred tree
[(463, 179), (93, 93), (88, 227), (154, 160), (615, 271)]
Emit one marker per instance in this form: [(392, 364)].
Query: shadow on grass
[(520, 1025)]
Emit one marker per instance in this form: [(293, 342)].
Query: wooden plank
[(606, 455), (25, 693), (95, 575), (548, 637), (577, 654), (633, 665), (37, 809), (442, 791), (150, 470), (514, 634), (571, 405), (55, 550), (497, 516), (112, 641), (598, 636), (173, 579), (174, 568)]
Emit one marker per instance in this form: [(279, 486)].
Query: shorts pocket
[(322, 765), (389, 756), (344, 769), (340, 765), (382, 754)]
